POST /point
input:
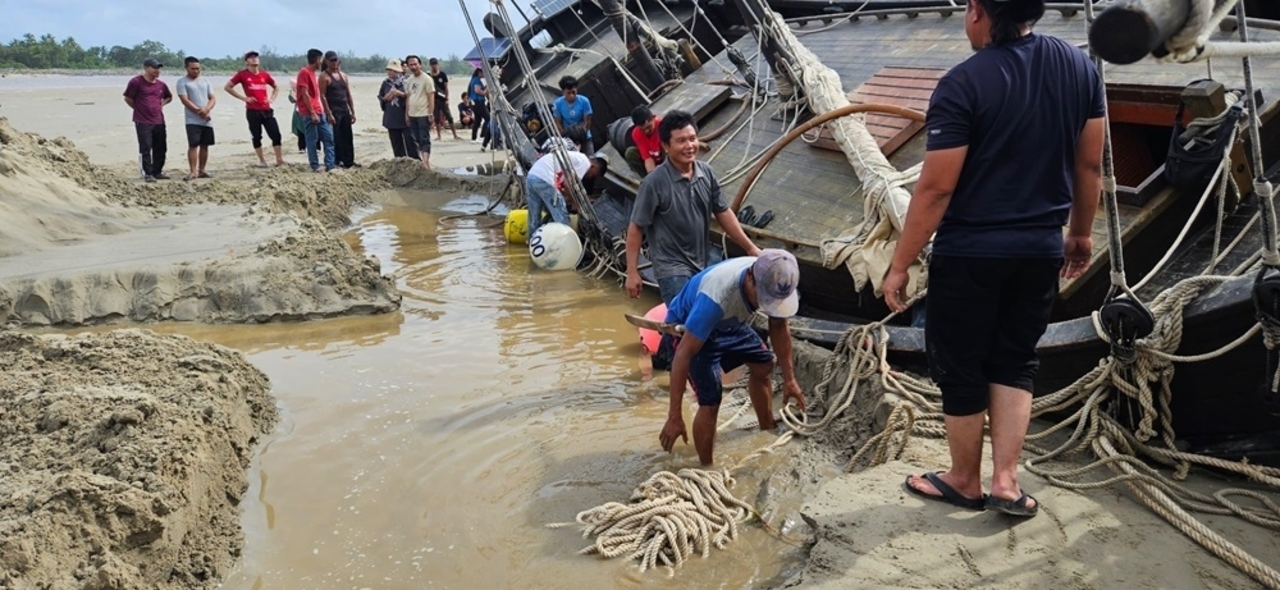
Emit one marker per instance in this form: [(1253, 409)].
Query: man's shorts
[(983, 319), (199, 135), (724, 351)]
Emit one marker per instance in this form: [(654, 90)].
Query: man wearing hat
[(391, 97), (255, 81), (714, 308), (442, 113), (147, 95)]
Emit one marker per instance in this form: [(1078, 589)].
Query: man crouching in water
[(714, 307)]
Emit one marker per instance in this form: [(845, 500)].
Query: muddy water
[(428, 448)]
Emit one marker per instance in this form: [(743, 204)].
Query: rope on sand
[(671, 516)]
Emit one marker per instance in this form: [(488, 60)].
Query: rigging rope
[(673, 516)]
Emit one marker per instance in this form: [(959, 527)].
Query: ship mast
[(634, 33)]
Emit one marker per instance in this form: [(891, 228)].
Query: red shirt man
[(648, 151), (255, 86), (257, 103), (308, 89)]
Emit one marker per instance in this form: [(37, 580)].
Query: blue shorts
[(725, 351)]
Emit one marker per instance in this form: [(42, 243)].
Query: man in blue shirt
[(714, 307), (1014, 153), (571, 109)]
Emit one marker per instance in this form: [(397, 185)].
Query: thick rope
[(670, 517)]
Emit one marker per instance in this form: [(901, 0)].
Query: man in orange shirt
[(312, 111)]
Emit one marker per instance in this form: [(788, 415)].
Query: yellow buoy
[(516, 227)]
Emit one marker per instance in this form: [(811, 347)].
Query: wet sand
[(427, 444)]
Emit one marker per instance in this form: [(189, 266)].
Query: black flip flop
[(746, 213), (949, 494), (1013, 507), (764, 219)]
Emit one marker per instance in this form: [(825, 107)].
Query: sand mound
[(123, 460), (406, 173), (81, 245), (869, 532), (39, 206), (308, 273)]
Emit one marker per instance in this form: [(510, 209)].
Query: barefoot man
[(257, 105), (714, 307), (197, 96)]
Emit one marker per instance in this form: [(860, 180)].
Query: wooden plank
[(691, 97), (916, 93), (899, 86), (917, 73), (1160, 115)]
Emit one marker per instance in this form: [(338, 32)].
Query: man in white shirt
[(546, 186)]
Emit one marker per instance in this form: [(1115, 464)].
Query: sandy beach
[(90, 111), (125, 455)]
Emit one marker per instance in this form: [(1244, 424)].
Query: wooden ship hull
[(892, 52)]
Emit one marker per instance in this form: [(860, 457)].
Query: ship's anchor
[(1266, 303), (1125, 321)]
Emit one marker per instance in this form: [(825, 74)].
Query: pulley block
[(1266, 296), (1126, 321), (1266, 303)]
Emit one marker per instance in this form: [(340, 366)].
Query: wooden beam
[(1142, 113), (1129, 30)]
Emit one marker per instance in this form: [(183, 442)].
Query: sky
[(230, 27)]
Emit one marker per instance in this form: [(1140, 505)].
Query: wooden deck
[(903, 87), (812, 192)]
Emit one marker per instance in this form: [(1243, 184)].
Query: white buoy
[(555, 246)]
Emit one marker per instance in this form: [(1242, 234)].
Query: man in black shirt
[(1014, 153), (442, 113)]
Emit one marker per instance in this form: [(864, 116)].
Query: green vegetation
[(48, 53)]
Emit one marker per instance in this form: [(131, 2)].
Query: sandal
[(746, 213), (949, 494), (764, 219), (1014, 507), (204, 175)]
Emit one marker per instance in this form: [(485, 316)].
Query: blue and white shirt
[(714, 298)]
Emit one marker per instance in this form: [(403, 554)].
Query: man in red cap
[(255, 81)]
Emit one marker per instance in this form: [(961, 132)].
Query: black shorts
[(726, 350), (443, 113), (983, 320), (199, 135)]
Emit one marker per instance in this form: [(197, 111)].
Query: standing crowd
[(413, 102)]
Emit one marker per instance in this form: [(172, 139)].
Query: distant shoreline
[(129, 72)]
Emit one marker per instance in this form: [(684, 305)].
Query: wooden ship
[(733, 64)]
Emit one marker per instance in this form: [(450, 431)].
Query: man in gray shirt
[(197, 97), (674, 207)]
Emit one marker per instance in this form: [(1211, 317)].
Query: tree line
[(48, 53)]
